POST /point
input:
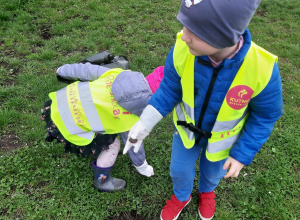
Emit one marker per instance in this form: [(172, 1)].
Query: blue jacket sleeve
[(169, 92), (264, 110)]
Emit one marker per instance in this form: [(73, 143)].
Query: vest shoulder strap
[(180, 55), (262, 70)]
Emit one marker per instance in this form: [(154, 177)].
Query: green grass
[(39, 181)]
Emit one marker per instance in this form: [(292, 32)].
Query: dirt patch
[(9, 142), (45, 32), (129, 216), (11, 73), (261, 13), (4, 64)]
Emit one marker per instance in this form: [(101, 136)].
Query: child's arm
[(138, 159), (80, 71), (161, 103), (264, 110)]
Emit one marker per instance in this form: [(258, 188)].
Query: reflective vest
[(252, 77), (84, 108)]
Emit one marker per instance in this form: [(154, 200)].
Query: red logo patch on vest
[(239, 96)]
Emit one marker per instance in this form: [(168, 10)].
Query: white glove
[(145, 169), (135, 137), (148, 119)]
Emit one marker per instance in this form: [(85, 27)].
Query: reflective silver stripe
[(88, 135), (227, 125), (179, 113), (222, 145), (89, 107), (181, 117), (189, 133), (189, 111), (65, 113)]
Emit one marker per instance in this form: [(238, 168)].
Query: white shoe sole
[(176, 217), (202, 218)]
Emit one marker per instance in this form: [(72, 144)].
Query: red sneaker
[(173, 208), (207, 203)]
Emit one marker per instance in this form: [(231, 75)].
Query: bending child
[(87, 116)]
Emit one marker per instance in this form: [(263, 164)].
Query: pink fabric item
[(155, 78), (108, 157)]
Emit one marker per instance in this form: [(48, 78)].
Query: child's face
[(197, 46)]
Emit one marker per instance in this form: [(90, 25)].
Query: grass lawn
[(39, 181)]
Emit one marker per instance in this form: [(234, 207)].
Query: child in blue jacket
[(226, 94)]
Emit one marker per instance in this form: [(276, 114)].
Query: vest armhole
[(268, 59)]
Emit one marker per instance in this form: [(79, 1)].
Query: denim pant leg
[(210, 173), (183, 168)]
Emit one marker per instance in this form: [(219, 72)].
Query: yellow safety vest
[(252, 77), (84, 108)]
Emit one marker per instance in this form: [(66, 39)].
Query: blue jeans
[(183, 169)]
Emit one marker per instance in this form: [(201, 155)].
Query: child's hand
[(235, 167), (136, 136), (57, 70)]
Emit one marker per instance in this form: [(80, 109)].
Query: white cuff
[(150, 117), (145, 169)]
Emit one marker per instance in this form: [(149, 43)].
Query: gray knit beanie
[(131, 91), (219, 23)]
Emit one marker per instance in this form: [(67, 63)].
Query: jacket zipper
[(208, 93)]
